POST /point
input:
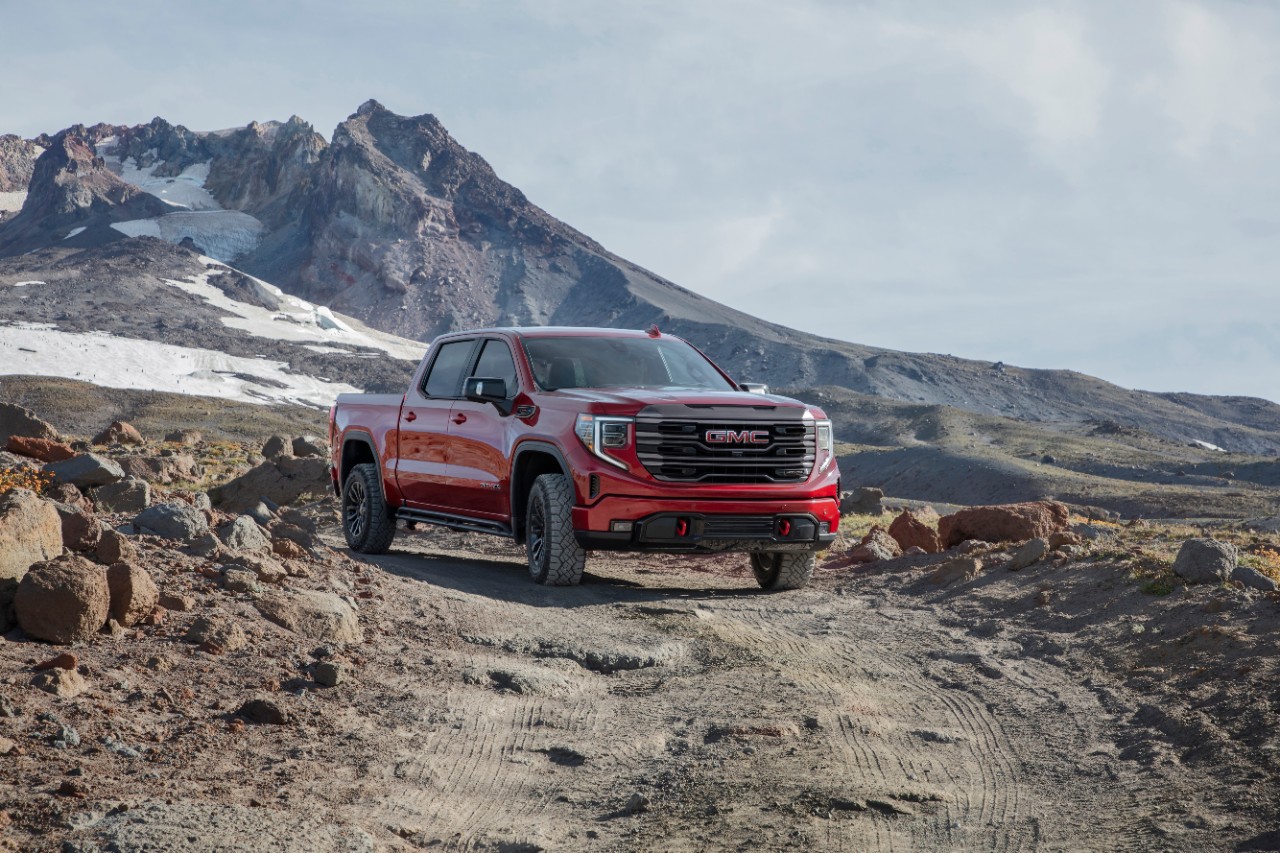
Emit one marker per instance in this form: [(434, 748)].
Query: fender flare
[(359, 436), (532, 445)]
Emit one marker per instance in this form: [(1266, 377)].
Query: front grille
[(677, 451)]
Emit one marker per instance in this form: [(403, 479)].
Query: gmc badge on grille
[(746, 436)]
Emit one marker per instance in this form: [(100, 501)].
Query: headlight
[(826, 445), (599, 433)]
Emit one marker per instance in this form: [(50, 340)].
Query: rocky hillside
[(396, 224)]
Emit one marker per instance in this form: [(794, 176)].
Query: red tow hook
[(682, 527), (784, 527)]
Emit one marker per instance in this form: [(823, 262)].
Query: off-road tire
[(776, 571), (555, 557), (366, 521)]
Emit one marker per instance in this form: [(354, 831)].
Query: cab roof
[(555, 332)]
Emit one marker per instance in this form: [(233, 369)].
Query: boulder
[(261, 513), (864, 500), (959, 569), (1031, 552), (63, 601), (65, 493), (1063, 538), (319, 616), (1003, 523), (876, 545), (219, 631), (1205, 561), (1253, 579), (129, 495), (44, 449), (264, 568), (309, 445), (15, 420), (63, 683), (163, 470), (30, 531), (114, 547), (86, 471), (119, 432), (279, 481), (133, 593), (277, 446), (185, 437), (911, 531), (81, 531), (240, 580), (244, 534), (172, 521)]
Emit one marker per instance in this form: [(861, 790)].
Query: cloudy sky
[(1082, 185)]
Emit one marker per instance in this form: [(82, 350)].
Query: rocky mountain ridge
[(397, 225)]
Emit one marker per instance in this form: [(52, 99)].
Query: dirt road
[(665, 704)]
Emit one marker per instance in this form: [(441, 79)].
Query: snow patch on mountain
[(10, 201), (73, 232), (296, 321), (224, 234), (39, 349)]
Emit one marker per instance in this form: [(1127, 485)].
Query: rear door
[(479, 455), (424, 426)]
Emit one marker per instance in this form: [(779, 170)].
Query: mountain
[(392, 232)]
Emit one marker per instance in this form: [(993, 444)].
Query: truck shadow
[(508, 580)]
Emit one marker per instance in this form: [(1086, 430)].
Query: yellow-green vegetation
[(23, 478), (1265, 559)]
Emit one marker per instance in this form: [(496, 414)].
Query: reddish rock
[(114, 548), (1004, 523), (65, 493), (1062, 539), (288, 549), (66, 660), (876, 545), (960, 569), (44, 449), (63, 601), (910, 531), (30, 531), (133, 593), (81, 531), (118, 433)]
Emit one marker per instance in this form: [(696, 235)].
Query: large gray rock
[(128, 495), (244, 534), (864, 500), (30, 531), (279, 481), (172, 521), (276, 446), (316, 615), (1031, 552), (1253, 579), (86, 471), (63, 601), (309, 445), (15, 420), (1206, 561)]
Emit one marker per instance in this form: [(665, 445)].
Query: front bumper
[(706, 526)]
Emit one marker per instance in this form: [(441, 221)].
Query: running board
[(454, 522)]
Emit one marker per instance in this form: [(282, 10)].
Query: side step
[(454, 522)]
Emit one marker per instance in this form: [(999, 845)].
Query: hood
[(627, 401)]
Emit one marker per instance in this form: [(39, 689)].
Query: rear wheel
[(366, 521), (776, 571), (555, 557)]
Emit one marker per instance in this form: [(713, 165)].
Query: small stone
[(172, 521), (266, 569), (114, 547), (1031, 552), (63, 683), (129, 495), (176, 601), (1062, 538), (186, 437), (86, 471), (66, 660), (244, 534), (637, 804), (133, 593), (73, 788), (217, 629), (119, 432), (914, 551), (330, 673), (277, 445), (288, 549), (263, 710), (261, 513), (961, 569), (309, 445), (6, 746), (969, 546), (1253, 578), (239, 580)]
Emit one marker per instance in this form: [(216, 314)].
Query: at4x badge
[(729, 436)]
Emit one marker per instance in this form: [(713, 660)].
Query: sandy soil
[(1059, 708)]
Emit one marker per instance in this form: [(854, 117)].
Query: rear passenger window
[(496, 363), (445, 375)]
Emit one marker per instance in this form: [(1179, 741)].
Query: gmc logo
[(746, 436)]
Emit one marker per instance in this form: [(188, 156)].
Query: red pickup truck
[(572, 440)]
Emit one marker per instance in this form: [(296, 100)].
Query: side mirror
[(754, 387), (484, 389)]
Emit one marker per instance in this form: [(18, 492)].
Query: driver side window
[(496, 363)]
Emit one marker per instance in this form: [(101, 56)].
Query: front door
[(424, 427), (479, 455)]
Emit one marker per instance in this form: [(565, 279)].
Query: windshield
[(591, 362)]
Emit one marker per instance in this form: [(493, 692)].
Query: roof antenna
[(653, 331)]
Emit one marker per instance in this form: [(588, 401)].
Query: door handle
[(411, 416), (459, 418)]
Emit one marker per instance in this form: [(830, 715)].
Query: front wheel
[(366, 521), (777, 571), (555, 557)]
